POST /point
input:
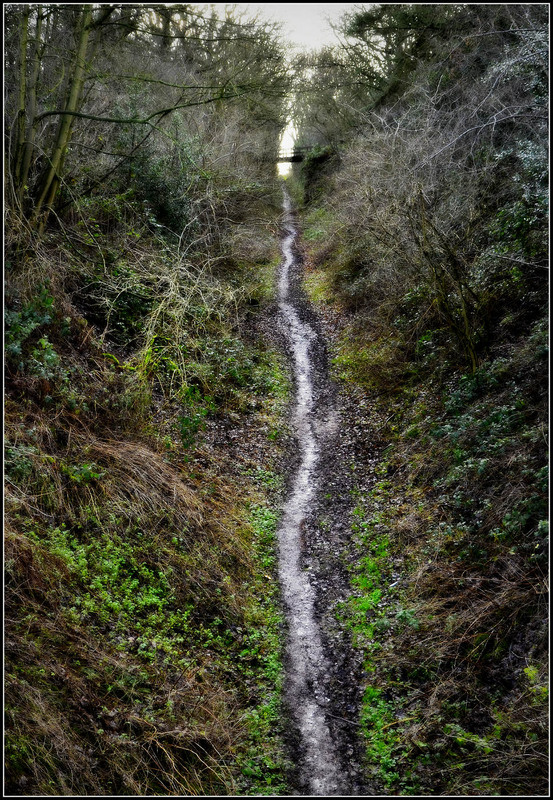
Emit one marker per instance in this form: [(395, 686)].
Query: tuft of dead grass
[(139, 480)]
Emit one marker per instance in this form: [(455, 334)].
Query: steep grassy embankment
[(449, 547), (143, 417), (426, 224)]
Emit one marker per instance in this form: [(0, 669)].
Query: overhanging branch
[(134, 120)]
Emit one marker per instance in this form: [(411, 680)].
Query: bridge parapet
[(294, 155)]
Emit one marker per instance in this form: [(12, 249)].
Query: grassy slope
[(142, 621), (449, 551)]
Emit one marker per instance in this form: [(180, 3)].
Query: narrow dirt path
[(322, 688)]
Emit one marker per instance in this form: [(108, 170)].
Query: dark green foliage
[(21, 324), (168, 184), (390, 38), (317, 164), (139, 659), (197, 407), (430, 234)]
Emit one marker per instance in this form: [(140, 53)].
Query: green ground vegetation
[(144, 409), (141, 655), (438, 289)]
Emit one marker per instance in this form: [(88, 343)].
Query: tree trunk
[(32, 111), (22, 99), (52, 180)]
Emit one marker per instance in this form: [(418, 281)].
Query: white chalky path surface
[(305, 656)]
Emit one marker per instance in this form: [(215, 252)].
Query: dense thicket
[(142, 407), (140, 149), (428, 226), (110, 80)]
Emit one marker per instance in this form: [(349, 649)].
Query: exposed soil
[(327, 762), (346, 435)]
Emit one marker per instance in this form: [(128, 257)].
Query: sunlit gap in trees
[(287, 143)]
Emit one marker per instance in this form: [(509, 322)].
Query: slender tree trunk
[(22, 99), (51, 182), (33, 124)]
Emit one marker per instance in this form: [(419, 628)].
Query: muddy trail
[(323, 674)]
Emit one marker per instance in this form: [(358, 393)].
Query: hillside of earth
[(425, 224), (144, 406)]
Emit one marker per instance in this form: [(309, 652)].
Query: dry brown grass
[(131, 747), (140, 479), (162, 728)]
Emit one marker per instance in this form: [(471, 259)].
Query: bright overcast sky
[(304, 24)]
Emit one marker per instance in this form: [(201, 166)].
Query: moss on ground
[(143, 651), (448, 552)]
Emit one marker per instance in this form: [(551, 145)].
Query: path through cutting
[(307, 668)]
